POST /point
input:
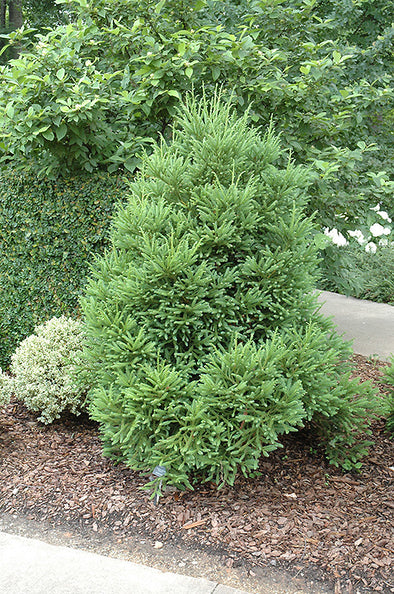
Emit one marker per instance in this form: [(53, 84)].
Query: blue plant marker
[(158, 472)]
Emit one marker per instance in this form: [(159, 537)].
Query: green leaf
[(48, 134), (61, 131), (41, 130), (174, 93), (10, 111), (181, 48), (215, 72), (336, 56), (189, 71), (305, 69), (60, 73), (159, 6)]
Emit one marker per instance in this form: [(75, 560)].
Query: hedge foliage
[(90, 95), (389, 379), (48, 230), (365, 275)]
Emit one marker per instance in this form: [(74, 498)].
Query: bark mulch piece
[(299, 513)]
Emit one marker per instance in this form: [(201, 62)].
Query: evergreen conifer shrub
[(204, 342)]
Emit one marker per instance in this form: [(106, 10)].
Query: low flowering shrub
[(43, 367)]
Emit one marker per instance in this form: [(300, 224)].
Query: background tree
[(15, 14), (36, 15), (11, 18), (99, 90), (45, 13)]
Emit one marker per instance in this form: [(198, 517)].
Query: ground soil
[(301, 524)]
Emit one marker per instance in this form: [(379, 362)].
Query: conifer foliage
[(204, 345)]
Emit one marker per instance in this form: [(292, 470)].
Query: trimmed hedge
[(48, 231)]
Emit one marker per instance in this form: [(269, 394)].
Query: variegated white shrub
[(43, 369), (5, 391)]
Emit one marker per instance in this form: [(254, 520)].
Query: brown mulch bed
[(299, 513)]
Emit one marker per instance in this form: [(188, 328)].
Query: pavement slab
[(30, 566), (369, 325)]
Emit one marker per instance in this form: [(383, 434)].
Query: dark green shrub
[(204, 347), (389, 379), (351, 270), (339, 272), (48, 230), (379, 270)]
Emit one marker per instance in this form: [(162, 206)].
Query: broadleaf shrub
[(43, 370), (353, 271), (48, 231), (204, 345), (91, 94), (4, 393)]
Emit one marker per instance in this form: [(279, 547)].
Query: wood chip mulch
[(299, 513)]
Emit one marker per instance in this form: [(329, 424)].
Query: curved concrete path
[(369, 325), (29, 566)]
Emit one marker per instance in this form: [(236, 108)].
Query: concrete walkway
[(32, 567), (370, 325)]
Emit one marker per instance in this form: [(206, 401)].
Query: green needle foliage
[(204, 345)]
